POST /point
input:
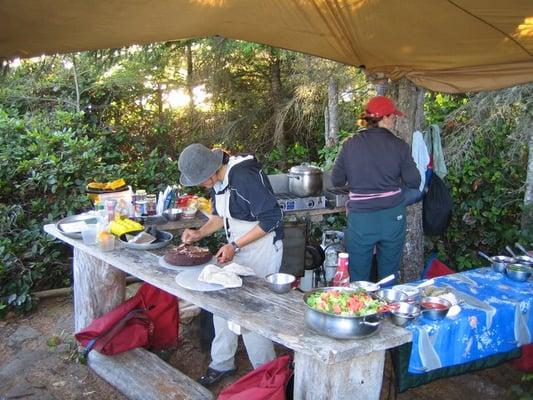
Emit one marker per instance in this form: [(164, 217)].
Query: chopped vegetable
[(344, 303)]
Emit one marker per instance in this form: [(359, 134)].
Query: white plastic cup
[(107, 243), (88, 234)]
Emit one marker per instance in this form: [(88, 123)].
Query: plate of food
[(163, 263), (185, 256)]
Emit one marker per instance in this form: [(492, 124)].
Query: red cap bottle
[(342, 275)]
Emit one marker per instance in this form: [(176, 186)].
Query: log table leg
[(359, 378), (98, 288)]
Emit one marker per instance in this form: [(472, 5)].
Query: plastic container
[(106, 241), (110, 207), (88, 234), (342, 275)]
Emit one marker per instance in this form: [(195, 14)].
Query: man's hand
[(190, 235), (225, 253)]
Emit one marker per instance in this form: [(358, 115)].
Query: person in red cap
[(375, 164)]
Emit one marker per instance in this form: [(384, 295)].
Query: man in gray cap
[(197, 163), (245, 206)]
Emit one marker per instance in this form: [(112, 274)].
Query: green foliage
[(438, 105), (295, 154), (524, 391), (487, 192), (327, 155), (43, 173)]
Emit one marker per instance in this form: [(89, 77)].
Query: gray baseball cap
[(197, 163)]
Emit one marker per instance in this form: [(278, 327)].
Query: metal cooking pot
[(305, 180), (340, 327)]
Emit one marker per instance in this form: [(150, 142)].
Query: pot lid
[(305, 170)]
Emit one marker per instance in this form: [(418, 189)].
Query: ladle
[(388, 278), (510, 251), (521, 248), (425, 283), (485, 256)]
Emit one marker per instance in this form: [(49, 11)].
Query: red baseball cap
[(380, 106)]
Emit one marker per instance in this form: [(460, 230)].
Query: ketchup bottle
[(342, 275)]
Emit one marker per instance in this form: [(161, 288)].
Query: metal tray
[(163, 239), (73, 218)]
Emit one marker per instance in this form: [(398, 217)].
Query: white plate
[(180, 268), (189, 280)]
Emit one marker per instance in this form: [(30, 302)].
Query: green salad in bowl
[(345, 303)]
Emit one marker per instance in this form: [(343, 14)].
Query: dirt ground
[(38, 360)]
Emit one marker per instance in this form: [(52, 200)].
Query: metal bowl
[(391, 295), (279, 282), (525, 260), (409, 290), (434, 308), (173, 214), (188, 212), (365, 285), (500, 262), (337, 326), (402, 313), (518, 272)]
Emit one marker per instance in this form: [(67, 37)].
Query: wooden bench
[(141, 375)]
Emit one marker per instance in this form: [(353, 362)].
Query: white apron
[(263, 255)]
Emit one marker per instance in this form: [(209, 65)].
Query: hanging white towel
[(420, 154), (432, 139)]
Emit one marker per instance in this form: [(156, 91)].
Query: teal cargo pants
[(382, 229)]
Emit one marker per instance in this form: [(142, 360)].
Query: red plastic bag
[(435, 268), (525, 362), (148, 319), (267, 382)]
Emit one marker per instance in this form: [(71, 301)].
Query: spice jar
[(151, 202)]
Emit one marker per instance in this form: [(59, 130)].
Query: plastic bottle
[(342, 275)]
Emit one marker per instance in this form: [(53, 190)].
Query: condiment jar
[(342, 275)]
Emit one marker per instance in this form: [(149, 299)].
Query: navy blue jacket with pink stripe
[(375, 164)]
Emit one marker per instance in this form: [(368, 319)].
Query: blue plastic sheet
[(500, 321)]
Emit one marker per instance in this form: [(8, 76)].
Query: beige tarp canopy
[(444, 45)]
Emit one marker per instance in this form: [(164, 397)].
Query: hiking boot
[(212, 376)]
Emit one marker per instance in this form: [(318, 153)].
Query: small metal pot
[(305, 180), (525, 260), (280, 282), (391, 295), (403, 313), (518, 272), (340, 327), (427, 304)]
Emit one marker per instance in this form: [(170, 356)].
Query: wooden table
[(325, 368)]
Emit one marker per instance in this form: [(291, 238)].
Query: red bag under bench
[(267, 382), (149, 319)]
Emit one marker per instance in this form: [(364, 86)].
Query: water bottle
[(342, 275)]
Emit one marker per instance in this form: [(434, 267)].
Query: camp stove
[(290, 202), (337, 197)]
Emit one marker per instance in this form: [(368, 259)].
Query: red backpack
[(149, 319), (268, 382)]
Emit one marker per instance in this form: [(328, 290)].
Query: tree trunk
[(410, 99), (76, 83), (277, 105), (332, 113), (159, 100), (527, 213), (190, 82)]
